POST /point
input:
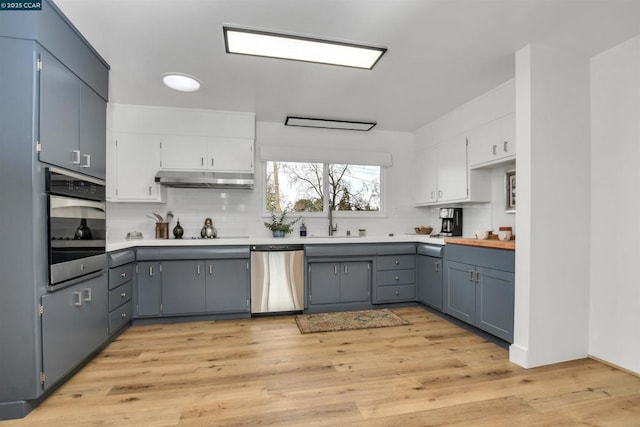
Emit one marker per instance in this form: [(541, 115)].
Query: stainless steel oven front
[(76, 227)]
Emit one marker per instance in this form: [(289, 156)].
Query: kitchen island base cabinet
[(480, 291), (339, 282), (74, 325)]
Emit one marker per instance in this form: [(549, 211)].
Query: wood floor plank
[(263, 372)]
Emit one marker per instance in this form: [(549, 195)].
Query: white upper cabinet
[(137, 160), (442, 176), (493, 142), (180, 152)]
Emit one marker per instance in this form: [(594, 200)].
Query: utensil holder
[(162, 230)]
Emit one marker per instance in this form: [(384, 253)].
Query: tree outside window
[(301, 187)]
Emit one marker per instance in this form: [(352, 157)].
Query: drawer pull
[(397, 278), (397, 293), (123, 295), (124, 315), (123, 275), (397, 262)]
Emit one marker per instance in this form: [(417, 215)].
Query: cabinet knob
[(123, 295), (397, 262), (397, 293), (397, 278), (124, 315), (123, 275)]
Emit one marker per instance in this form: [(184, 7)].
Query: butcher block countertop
[(488, 243)]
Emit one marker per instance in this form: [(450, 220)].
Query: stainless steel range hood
[(205, 179)]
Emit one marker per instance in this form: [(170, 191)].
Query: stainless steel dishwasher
[(277, 278)]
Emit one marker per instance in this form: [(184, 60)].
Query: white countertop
[(311, 240)]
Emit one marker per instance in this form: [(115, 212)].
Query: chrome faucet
[(332, 228)]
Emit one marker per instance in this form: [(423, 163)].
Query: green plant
[(279, 223)]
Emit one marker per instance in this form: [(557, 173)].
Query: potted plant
[(279, 225)]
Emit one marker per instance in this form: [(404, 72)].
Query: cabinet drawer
[(396, 293), (395, 262), (120, 275), (120, 317), (396, 277), (120, 295)]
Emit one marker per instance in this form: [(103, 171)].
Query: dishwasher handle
[(276, 247)]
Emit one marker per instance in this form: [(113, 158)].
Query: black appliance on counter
[(451, 221), (76, 227)]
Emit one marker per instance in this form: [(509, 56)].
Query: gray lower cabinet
[(193, 286), (183, 287), (121, 280), (429, 281), (395, 278), (227, 286), (480, 291), (148, 293), (74, 324), (339, 282)]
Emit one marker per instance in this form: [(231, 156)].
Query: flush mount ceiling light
[(308, 122), (181, 82), (300, 48)]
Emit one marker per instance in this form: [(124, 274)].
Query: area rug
[(348, 320)]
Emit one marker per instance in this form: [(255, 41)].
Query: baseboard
[(613, 365)]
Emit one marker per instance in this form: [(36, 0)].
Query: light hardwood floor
[(264, 372)]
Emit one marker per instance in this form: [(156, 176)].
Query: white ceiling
[(441, 53)]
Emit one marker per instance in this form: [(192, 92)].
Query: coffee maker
[(451, 221)]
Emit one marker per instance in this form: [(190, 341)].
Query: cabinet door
[(148, 290), (452, 169), (484, 143), (230, 154), (430, 281), (355, 281), (93, 128), (59, 114), (183, 287), (426, 176), (137, 162), (182, 152), (227, 287), (460, 287), (508, 136), (74, 324), (324, 282), (494, 302)]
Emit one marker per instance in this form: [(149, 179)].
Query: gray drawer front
[(396, 262), (339, 250), (120, 275), (192, 252), (120, 295), (500, 259), (397, 248), (396, 293), (120, 317), (116, 259), (396, 277)]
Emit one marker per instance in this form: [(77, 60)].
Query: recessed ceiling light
[(300, 48), (181, 82), (309, 122)]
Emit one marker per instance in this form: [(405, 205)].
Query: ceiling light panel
[(298, 48), (309, 122)]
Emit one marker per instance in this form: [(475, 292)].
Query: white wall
[(494, 104), (614, 322), (553, 222), (239, 212)]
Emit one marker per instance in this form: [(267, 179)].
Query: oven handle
[(57, 287)]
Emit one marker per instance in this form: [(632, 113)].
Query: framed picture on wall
[(510, 181)]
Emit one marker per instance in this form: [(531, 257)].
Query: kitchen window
[(318, 187)]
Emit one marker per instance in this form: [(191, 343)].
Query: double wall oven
[(76, 227)]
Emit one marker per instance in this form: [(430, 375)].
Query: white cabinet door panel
[(452, 169), (183, 152), (426, 175), (137, 162), (230, 154)]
